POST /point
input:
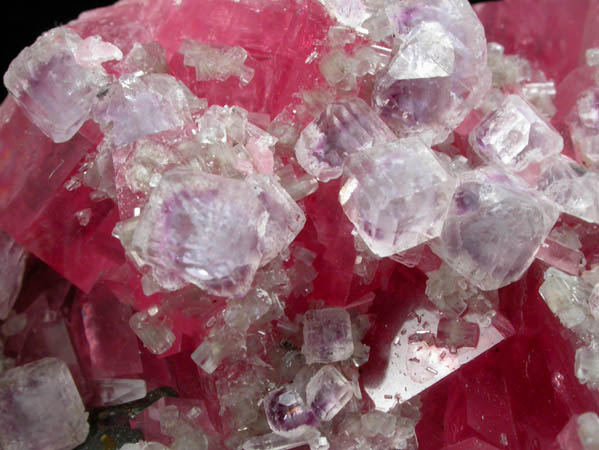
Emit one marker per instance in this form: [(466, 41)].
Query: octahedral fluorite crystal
[(324, 224)]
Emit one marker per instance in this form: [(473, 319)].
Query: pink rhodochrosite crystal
[(293, 224)]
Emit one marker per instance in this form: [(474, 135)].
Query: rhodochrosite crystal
[(293, 224)]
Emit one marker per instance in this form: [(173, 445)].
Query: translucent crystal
[(507, 69), (345, 127), (586, 365), (572, 187), (588, 430), (124, 109), (572, 299), (327, 392), (28, 394), (453, 294), (191, 441), (287, 413), (152, 330), (345, 71), (145, 58), (396, 195), (214, 63), (12, 260), (119, 390), (494, 228), (327, 336), (297, 187), (561, 254), (285, 217), (52, 86), (515, 136), (456, 333), (92, 52), (202, 229), (582, 122), (439, 72), (274, 441)]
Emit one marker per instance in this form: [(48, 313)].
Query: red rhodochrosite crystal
[(324, 224)]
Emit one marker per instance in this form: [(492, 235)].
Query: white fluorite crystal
[(494, 228), (202, 229), (582, 122), (142, 445), (40, 408), (327, 336), (515, 136), (439, 72), (572, 187), (137, 106), (54, 82), (588, 430), (216, 63), (327, 392), (345, 127), (12, 261), (396, 195)]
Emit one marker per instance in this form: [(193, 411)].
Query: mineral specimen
[(334, 224)]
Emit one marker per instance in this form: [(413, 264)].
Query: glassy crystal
[(515, 136), (201, 229), (572, 187), (327, 336), (494, 228), (213, 63), (287, 413), (582, 122), (588, 430), (51, 84), (141, 445), (27, 395), (345, 127), (150, 328), (123, 110), (396, 195), (586, 365), (327, 392), (119, 390), (456, 333), (439, 72)]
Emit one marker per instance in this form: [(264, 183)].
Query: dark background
[(24, 21)]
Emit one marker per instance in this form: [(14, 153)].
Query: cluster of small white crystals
[(575, 301), (211, 63)]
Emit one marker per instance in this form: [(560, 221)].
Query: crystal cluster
[(325, 224)]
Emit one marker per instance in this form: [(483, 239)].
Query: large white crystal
[(202, 229), (439, 72), (396, 195), (213, 231), (40, 408), (55, 87), (344, 128), (494, 228), (586, 365), (572, 187), (137, 106), (515, 136)]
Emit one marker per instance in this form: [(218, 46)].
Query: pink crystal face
[(324, 224)]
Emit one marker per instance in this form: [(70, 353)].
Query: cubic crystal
[(396, 195), (327, 336), (494, 228), (515, 136), (27, 394), (327, 392)]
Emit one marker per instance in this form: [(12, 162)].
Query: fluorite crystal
[(282, 224)]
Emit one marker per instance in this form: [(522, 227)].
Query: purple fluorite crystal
[(287, 413)]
